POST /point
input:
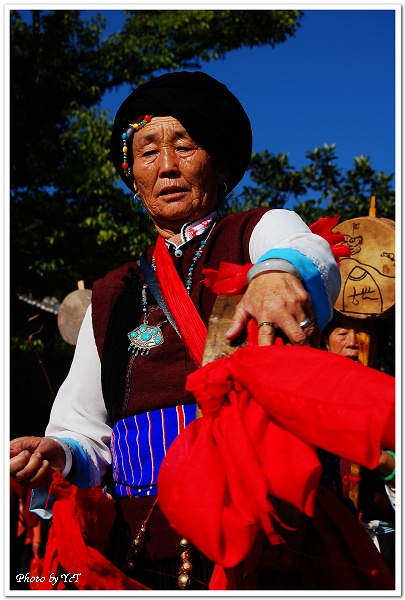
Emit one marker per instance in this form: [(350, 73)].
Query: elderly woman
[(180, 142)]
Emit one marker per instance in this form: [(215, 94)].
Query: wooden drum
[(368, 276), (71, 314)]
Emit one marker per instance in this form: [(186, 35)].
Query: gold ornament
[(183, 581)]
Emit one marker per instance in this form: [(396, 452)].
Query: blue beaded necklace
[(197, 256)]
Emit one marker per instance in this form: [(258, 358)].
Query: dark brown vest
[(158, 379)]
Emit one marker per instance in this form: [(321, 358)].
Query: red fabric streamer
[(229, 279), (81, 522), (323, 227), (192, 328), (264, 411), (36, 568)]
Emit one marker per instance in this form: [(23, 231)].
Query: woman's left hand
[(280, 299)]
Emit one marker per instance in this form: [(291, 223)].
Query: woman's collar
[(193, 229)]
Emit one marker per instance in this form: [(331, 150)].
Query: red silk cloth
[(265, 409), (81, 522), (189, 322), (228, 279)]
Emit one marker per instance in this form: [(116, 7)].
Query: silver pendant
[(144, 338)]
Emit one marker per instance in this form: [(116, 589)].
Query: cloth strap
[(189, 322)]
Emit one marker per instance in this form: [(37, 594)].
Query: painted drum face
[(368, 275)]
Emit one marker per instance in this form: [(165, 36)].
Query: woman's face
[(176, 179), (344, 339)]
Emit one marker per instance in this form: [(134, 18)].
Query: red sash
[(189, 322)]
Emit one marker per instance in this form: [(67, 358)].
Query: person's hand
[(31, 459), (280, 299), (386, 464)]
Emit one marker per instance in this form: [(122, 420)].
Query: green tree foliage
[(154, 40), (277, 184)]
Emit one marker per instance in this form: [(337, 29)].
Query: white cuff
[(68, 452), (273, 264)]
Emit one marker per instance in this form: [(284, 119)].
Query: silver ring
[(305, 323), (267, 323)]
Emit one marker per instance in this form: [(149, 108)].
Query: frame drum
[(368, 276), (71, 314)]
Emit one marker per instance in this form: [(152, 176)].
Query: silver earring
[(137, 198), (225, 187)]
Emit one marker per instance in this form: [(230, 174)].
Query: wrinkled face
[(344, 339), (176, 179)]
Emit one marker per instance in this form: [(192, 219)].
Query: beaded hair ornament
[(126, 136)]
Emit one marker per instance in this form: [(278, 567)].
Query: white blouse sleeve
[(79, 412), (285, 231)]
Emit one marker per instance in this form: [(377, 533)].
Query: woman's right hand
[(32, 458)]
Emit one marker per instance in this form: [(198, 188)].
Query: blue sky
[(333, 83)]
